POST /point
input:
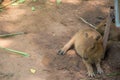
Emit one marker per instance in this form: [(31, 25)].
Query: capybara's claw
[(60, 52)]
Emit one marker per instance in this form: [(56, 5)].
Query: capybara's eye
[(98, 37)]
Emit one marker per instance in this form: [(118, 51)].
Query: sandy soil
[(48, 28)]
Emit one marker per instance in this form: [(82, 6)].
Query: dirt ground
[(48, 28)]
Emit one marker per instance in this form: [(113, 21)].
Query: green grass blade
[(11, 34), (17, 52), (113, 74)]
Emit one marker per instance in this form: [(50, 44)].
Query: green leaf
[(21, 1), (33, 8), (58, 1)]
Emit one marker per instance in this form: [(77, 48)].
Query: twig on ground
[(87, 23)]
